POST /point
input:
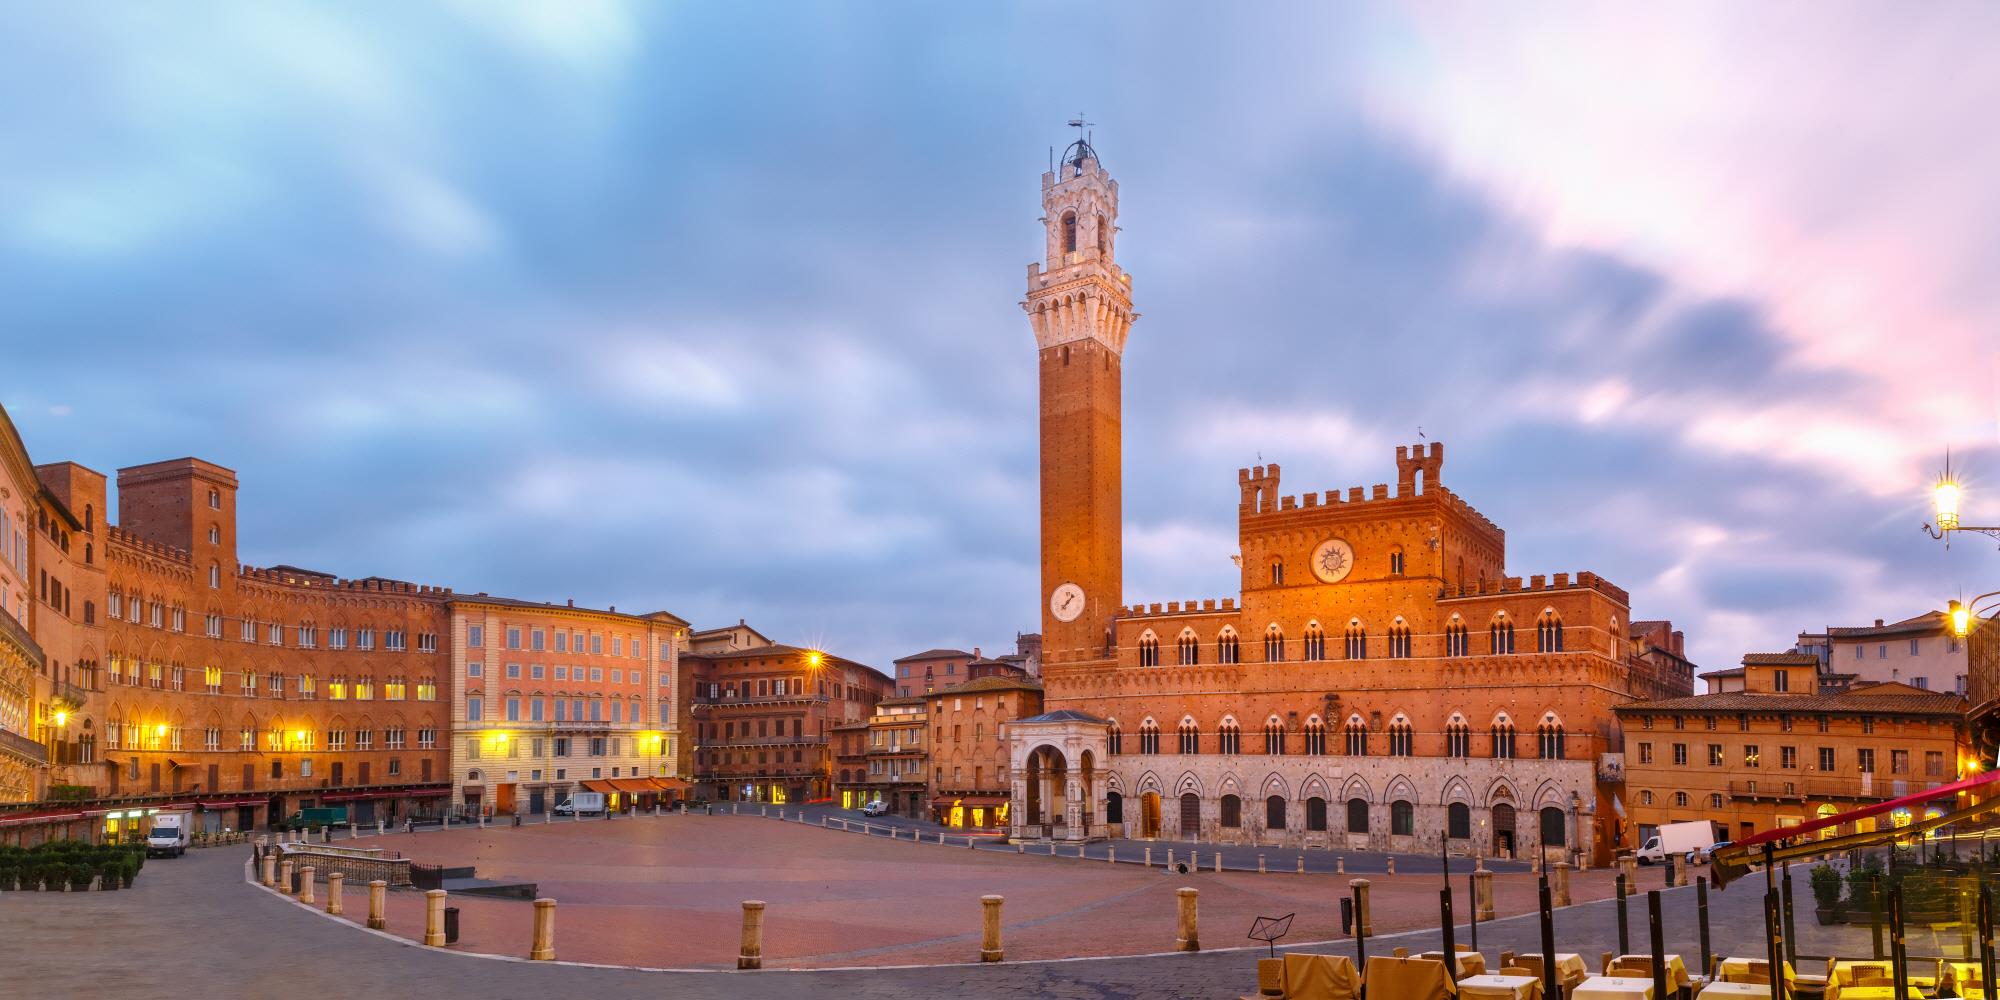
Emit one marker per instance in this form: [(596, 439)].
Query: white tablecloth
[(1612, 988), (1677, 973), (1470, 963), (1719, 990), (1499, 988)]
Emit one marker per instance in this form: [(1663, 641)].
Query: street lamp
[(1946, 497)]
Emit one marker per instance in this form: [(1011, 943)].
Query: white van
[(586, 803), (168, 836)]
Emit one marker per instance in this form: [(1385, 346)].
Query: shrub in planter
[(81, 875), (128, 871), (52, 875), (113, 874), (10, 872), (1826, 892)]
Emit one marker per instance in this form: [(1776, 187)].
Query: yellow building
[(1778, 752)]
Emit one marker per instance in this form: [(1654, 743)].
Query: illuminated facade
[(762, 719), (970, 786), (553, 699), (1381, 682)]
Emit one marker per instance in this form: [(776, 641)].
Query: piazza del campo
[(453, 314)]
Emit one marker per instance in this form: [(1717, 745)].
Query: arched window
[(214, 576), (1357, 640), (1315, 737), (214, 500), (214, 534), (1554, 833), (1680, 798), (1357, 737), (1315, 642), (1274, 736), (1190, 648), (1549, 739), (1229, 737), (1456, 640), (1114, 740), (1402, 738), (1149, 649), (1715, 800), (1149, 737), (1500, 634), (1274, 813), (1549, 633), (1399, 640), (1190, 737), (1114, 807), (1458, 821), (1503, 738), (1103, 234), (1069, 232), (1225, 646), (1316, 814), (1457, 738), (1232, 812), (1357, 816), (1277, 572), (1646, 797), (1402, 818), (1396, 561), (1274, 644)]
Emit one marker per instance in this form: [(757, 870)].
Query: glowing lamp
[(1960, 618), (61, 718), (1946, 497), (813, 657), (160, 729)]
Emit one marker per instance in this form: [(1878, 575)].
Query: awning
[(231, 804), (599, 785), (63, 817), (634, 786), (352, 796), (669, 784), (426, 793)]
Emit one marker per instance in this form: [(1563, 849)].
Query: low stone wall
[(359, 868)]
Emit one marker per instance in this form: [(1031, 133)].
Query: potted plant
[(81, 875), (128, 871), (112, 874), (51, 874), (10, 871), (1826, 885)]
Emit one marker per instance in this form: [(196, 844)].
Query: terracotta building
[(761, 718), (849, 748), (970, 785), (898, 752), (553, 699), (1780, 752), (1382, 681)]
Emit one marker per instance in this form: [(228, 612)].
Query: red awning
[(599, 785), (669, 784), (1904, 802), (231, 804), (61, 817), (352, 796), (634, 786)]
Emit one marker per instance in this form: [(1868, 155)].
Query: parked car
[(875, 808)]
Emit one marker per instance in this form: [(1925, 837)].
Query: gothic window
[(1315, 737), (1357, 738), (1226, 650), (1274, 737), (1274, 644), (1115, 740), (1500, 634), (1554, 830), (1277, 572), (1402, 738), (1103, 233), (1357, 640), (1503, 739), (1190, 648), (1315, 642), (1549, 633), (1399, 640), (1396, 561), (1229, 737), (1457, 738), (1069, 232), (1458, 821), (1274, 812), (1190, 737), (1232, 812), (1402, 818), (1549, 737), (1149, 737), (1316, 814), (1357, 815), (1456, 642), (1149, 650)]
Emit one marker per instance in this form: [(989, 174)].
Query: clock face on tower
[(1066, 602), (1332, 560)]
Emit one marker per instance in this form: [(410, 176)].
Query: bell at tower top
[(1078, 291)]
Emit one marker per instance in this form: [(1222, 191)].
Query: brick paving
[(192, 924)]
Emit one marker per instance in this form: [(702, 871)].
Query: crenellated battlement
[(373, 584), (1418, 468), (122, 537), (1226, 605), (1539, 583)]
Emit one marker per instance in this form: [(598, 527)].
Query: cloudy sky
[(714, 309)]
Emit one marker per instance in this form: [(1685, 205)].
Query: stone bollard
[(989, 929), (353, 831), (1631, 865), (544, 947), (434, 917), (378, 904), (548, 816), (1302, 864), (825, 822), (1674, 876), (1170, 859), (1260, 864), (1185, 938), (1111, 854), (380, 826), (482, 821), (306, 878), (1363, 927), (271, 868), (1020, 848), (1562, 883), (1218, 861), (335, 884), (1482, 890), (781, 812), (285, 877), (1340, 866), (1149, 857), (447, 820), (1390, 861), (1052, 848), (752, 956)]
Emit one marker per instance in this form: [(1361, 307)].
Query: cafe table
[(1496, 987), (1736, 966), (1923, 973), (1613, 988), (1470, 963), (1719, 991), (1677, 973)]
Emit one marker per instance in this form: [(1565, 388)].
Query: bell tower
[(1080, 305)]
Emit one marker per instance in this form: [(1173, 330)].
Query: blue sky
[(714, 309)]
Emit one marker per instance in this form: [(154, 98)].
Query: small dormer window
[(215, 499)]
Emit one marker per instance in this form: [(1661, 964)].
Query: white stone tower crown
[(1079, 292)]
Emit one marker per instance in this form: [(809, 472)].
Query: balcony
[(22, 748), (1799, 788)]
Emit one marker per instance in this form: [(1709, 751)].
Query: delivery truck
[(168, 836), (584, 803), (1694, 838)]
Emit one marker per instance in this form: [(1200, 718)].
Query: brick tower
[(1080, 304)]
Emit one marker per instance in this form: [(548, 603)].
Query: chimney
[(975, 653), (572, 602), (1878, 623)]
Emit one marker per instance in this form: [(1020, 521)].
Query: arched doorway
[(1503, 830), (1114, 810), (1190, 816), (1554, 828), (1149, 815), (1048, 775)]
